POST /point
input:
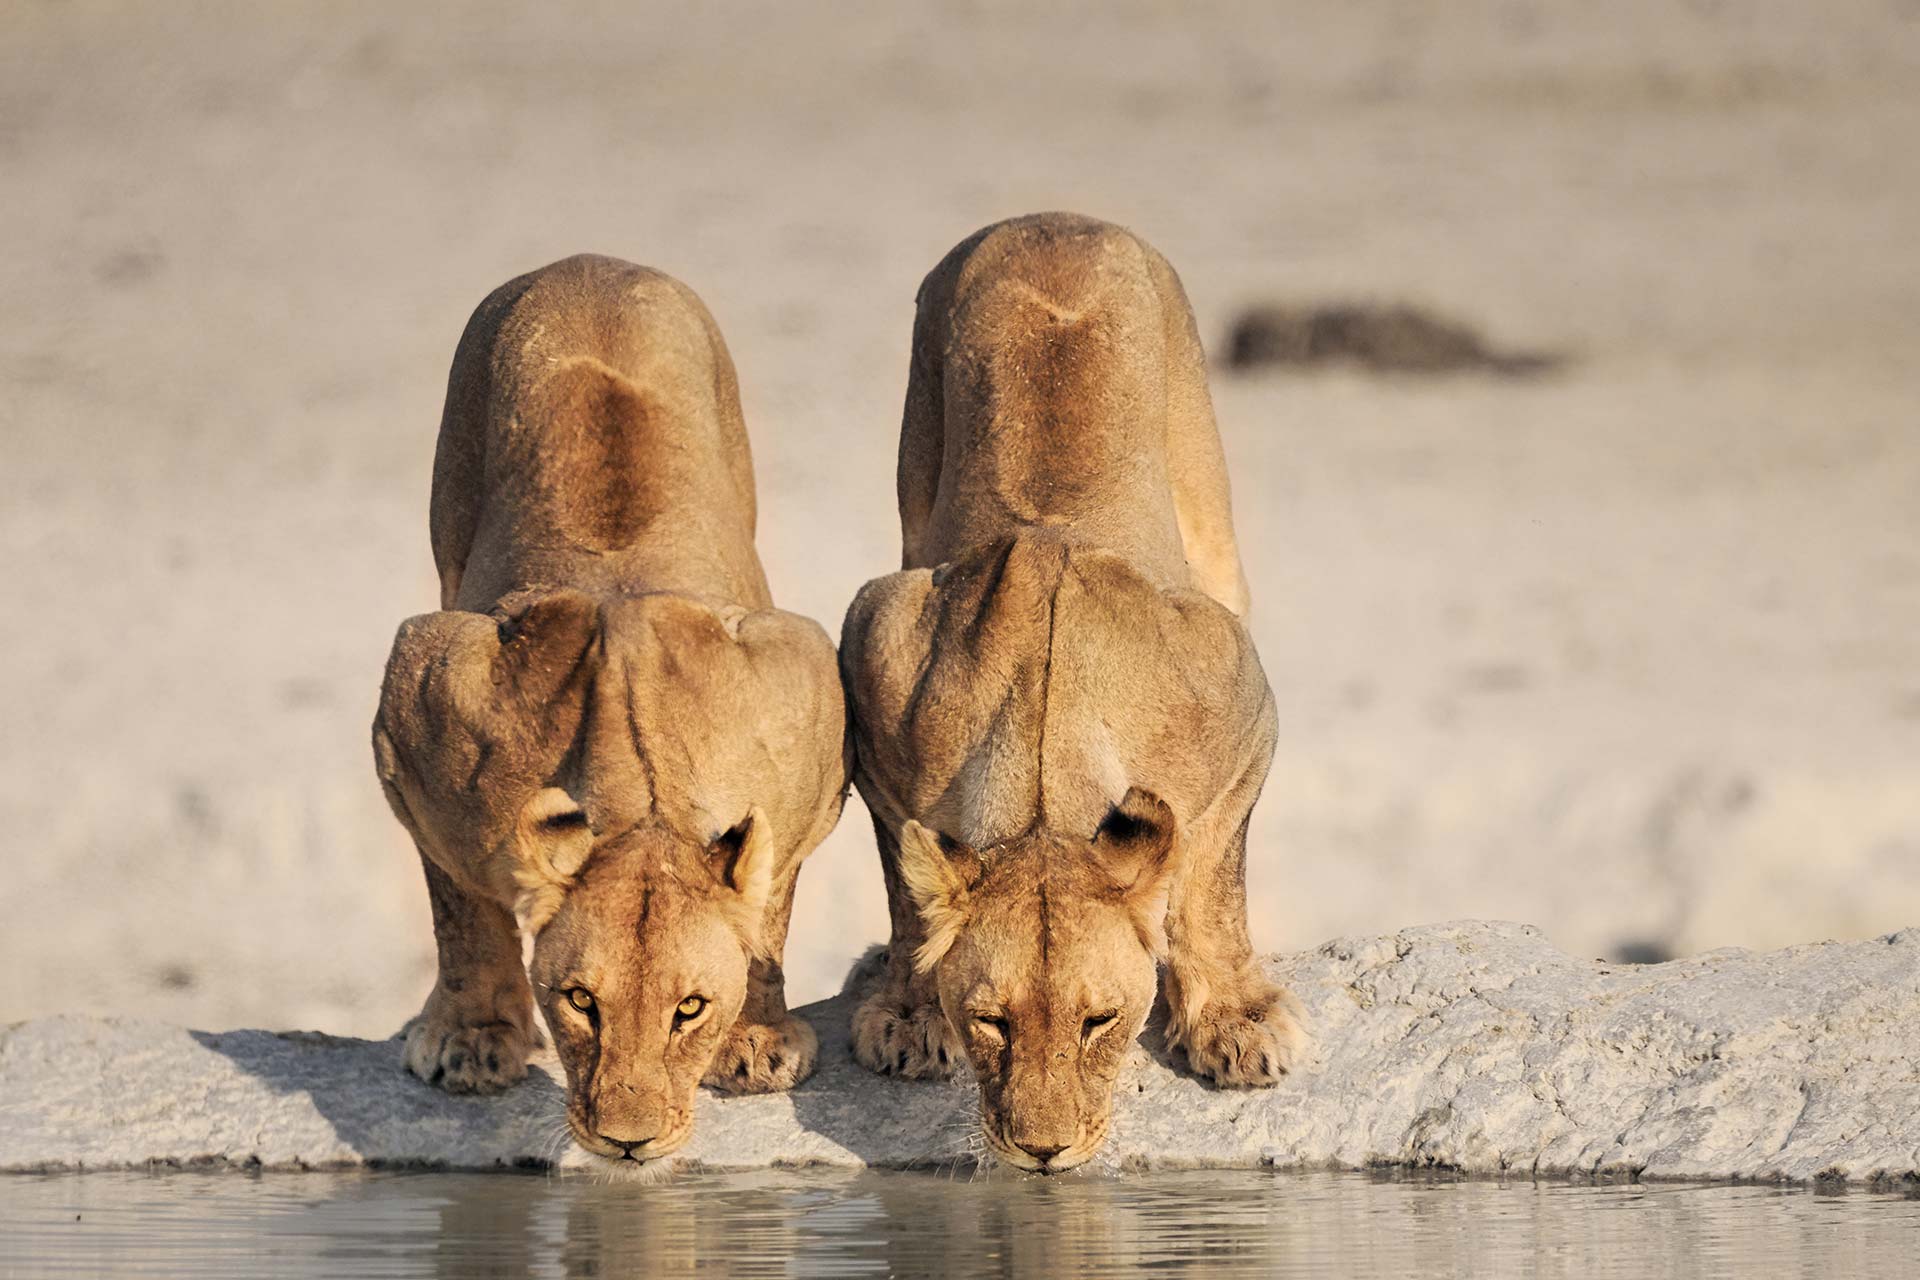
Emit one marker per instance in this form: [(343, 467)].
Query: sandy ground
[(1629, 652)]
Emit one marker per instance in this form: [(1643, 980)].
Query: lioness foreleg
[(899, 1029), (476, 1029), (1236, 1026), (767, 1049)]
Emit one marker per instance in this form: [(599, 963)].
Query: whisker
[(981, 1153), (553, 1146)]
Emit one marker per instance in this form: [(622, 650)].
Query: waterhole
[(797, 1223)]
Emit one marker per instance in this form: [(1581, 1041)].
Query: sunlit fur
[(641, 943), (607, 739), (1048, 1083), (1046, 935), (1065, 635)]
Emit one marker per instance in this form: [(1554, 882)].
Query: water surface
[(789, 1223)]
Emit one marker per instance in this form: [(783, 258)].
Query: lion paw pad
[(1246, 1043), (760, 1058), (892, 1038), (477, 1058)]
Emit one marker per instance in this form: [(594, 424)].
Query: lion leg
[(898, 1027), (1236, 1026), (767, 1049), (476, 1030), (1196, 459), (923, 421)]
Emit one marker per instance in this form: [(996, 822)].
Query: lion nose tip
[(1041, 1151), (627, 1145)]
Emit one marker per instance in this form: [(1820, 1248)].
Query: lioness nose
[(626, 1145), (1041, 1151)]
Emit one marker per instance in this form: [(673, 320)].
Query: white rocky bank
[(1475, 1046)]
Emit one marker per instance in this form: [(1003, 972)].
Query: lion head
[(630, 777), (640, 971), (1045, 953)]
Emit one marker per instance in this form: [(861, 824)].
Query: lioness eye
[(581, 999), (997, 1025), (690, 1007), (1096, 1021)]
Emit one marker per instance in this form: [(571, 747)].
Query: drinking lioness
[(608, 738), (1060, 722)]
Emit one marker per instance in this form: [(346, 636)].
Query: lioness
[(608, 739), (1060, 722)]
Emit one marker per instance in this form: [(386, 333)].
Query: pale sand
[(1629, 653)]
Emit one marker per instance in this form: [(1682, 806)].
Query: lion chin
[(1005, 1152), (577, 1161)]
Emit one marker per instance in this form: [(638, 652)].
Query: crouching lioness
[(608, 739), (1060, 722)]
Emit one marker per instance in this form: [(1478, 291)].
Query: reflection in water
[(841, 1224)]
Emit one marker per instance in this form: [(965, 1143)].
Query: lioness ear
[(552, 842), (1135, 846), (543, 645), (742, 861), (937, 888)]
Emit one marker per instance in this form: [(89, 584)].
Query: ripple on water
[(841, 1224)]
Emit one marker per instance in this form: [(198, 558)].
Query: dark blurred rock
[(1378, 338), (1643, 951), (133, 265), (176, 977)]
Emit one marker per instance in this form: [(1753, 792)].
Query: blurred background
[(1625, 647)]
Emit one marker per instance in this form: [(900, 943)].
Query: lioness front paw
[(757, 1057), (1248, 1042), (467, 1056), (894, 1038)]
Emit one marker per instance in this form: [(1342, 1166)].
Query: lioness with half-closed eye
[(1060, 722), (608, 738)]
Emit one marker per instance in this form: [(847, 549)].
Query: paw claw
[(1245, 1043), (462, 1051), (893, 1037), (760, 1058)]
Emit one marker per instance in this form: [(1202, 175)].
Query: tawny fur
[(1061, 725), (608, 738)]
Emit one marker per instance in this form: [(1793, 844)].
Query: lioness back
[(1058, 380), (592, 436)]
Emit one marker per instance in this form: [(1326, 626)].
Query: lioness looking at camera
[(608, 739), (1060, 722)]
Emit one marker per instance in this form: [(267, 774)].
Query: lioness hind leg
[(476, 1030), (767, 1049), (1196, 459), (1236, 1026)]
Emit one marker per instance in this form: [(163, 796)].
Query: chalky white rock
[(1472, 1046)]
